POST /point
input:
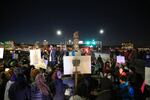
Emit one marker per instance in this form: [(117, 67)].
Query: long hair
[(34, 73), (40, 82)]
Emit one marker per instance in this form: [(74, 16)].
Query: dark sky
[(31, 20)]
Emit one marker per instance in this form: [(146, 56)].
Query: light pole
[(59, 33), (101, 31)]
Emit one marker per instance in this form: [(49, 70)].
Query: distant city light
[(91, 46), (80, 42), (87, 42), (69, 40), (93, 42)]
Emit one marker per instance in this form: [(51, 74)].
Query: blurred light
[(93, 42), (87, 42), (101, 31), (91, 46), (6, 69), (59, 32), (86, 50), (120, 70), (69, 41), (80, 42)]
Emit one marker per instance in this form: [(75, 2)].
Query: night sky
[(28, 21)]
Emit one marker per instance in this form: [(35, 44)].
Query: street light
[(100, 42), (59, 32), (101, 31)]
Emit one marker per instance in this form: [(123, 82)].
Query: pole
[(76, 61), (76, 77)]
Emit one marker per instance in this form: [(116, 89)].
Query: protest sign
[(84, 66), (120, 59), (1, 53), (35, 57)]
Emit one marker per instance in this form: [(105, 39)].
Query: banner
[(1, 53), (84, 66), (35, 57)]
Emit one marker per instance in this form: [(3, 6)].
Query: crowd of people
[(115, 81)]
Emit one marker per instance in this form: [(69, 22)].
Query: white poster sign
[(1, 53), (84, 66), (121, 59), (147, 75), (35, 57)]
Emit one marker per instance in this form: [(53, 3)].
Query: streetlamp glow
[(59, 32), (69, 41), (101, 31)]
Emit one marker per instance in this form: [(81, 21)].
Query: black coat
[(105, 95), (106, 90)]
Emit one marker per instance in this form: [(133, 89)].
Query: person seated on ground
[(106, 68)]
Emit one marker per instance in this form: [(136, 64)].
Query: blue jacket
[(126, 91)]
